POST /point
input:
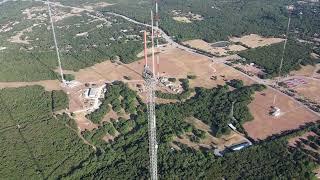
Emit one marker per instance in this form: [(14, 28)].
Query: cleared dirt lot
[(182, 19), (304, 71), (107, 71), (311, 90), (174, 62), (178, 63), (254, 40), (293, 115), (219, 51)]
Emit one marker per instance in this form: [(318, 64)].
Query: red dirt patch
[(311, 90), (293, 115)]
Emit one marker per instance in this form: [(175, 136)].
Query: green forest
[(39, 143), (47, 147), (269, 57), (225, 18), (35, 145), (118, 38), (110, 39)]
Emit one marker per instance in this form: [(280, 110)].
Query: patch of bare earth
[(315, 56), (35, 13), (254, 40), (182, 19), (109, 138), (112, 115), (293, 115), (304, 71), (174, 62), (49, 85), (109, 116), (18, 38), (180, 16), (177, 63), (107, 71), (76, 103), (218, 51), (97, 5), (210, 141), (83, 123), (311, 90), (249, 69)]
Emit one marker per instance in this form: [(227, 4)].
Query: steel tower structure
[(150, 84)]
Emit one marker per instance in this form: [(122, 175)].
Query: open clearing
[(180, 16), (210, 141), (49, 85), (174, 63), (182, 19), (106, 71), (178, 63), (83, 123), (254, 40), (310, 90), (218, 51), (304, 71), (292, 115)]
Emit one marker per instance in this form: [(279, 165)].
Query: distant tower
[(157, 18), (55, 42)]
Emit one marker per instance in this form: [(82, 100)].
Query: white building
[(232, 126), (275, 111)]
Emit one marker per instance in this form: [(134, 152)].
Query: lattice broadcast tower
[(150, 84)]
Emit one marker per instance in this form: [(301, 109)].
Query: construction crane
[(150, 84)]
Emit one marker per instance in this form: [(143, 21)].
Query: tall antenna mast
[(152, 42), (157, 37), (145, 49), (150, 84), (157, 17), (55, 42), (290, 8)]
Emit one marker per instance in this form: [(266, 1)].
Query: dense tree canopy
[(269, 57), (48, 147)]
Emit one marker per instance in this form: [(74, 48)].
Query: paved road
[(172, 42)]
